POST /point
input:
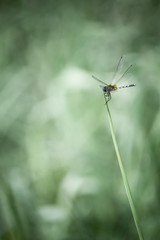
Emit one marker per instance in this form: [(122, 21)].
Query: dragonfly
[(113, 86)]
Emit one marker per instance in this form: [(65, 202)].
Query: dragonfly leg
[(107, 97)]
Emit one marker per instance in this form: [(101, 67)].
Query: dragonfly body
[(108, 88)]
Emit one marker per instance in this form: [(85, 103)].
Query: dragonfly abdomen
[(131, 85)]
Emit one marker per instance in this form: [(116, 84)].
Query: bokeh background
[(59, 176)]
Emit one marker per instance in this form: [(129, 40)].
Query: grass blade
[(124, 176)]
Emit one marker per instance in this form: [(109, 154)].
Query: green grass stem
[(124, 176)]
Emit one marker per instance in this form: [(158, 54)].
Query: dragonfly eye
[(105, 89)]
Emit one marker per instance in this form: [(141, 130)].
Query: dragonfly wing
[(118, 69), (124, 74), (99, 80)]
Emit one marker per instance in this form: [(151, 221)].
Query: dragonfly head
[(104, 89)]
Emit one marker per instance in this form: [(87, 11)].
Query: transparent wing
[(99, 80), (118, 69), (124, 74)]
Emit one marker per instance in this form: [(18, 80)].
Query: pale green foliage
[(59, 175)]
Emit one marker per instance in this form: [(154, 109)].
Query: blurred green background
[(59, 176)]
